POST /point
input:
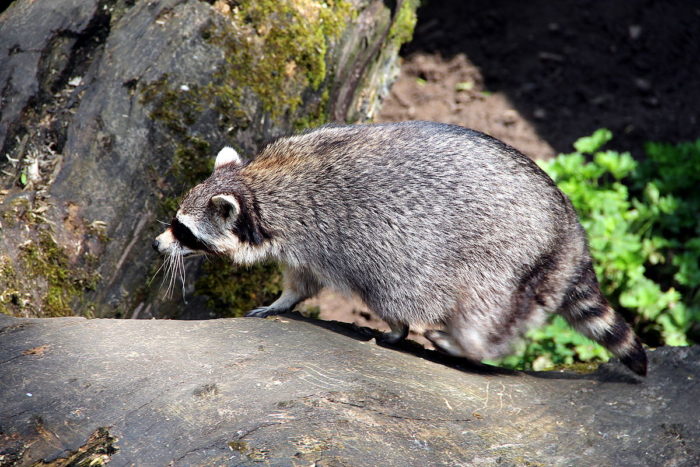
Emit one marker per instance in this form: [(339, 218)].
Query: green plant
[(643, 231), (233, 290)]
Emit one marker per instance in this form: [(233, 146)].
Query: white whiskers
[(174, 265), (174, 270)]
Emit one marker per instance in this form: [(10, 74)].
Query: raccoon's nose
[(155, 245)]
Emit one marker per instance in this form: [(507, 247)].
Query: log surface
[(291, 391)]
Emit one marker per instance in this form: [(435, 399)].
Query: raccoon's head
[(218, 216)]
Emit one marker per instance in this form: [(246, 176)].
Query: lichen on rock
[(49, 284)]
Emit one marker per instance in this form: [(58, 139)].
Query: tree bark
[(290, 391)]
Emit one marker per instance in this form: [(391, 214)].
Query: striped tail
[(587, 311)]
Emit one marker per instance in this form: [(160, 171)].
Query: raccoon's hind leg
[(490, 315), (468, 340), (299, 284), (445, 343), (471, 333), (587, 311)]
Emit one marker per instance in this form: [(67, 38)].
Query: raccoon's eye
[(226, 205), (184, 235)]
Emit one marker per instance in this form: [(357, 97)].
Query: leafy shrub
[(643, 230)]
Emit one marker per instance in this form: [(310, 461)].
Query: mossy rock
[(292, 44), (123, 108)]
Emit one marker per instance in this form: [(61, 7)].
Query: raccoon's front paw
[(264, 311)]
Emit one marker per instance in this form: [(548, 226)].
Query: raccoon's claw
[(263, 311), (398, 333), (389, 338)]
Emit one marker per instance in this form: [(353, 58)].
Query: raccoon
[(427, 223)]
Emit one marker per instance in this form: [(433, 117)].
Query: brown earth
[(565, 68), (538, 75)]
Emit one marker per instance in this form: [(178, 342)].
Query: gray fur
[(425, 222)]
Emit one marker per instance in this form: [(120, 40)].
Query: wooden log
[(290, 391)]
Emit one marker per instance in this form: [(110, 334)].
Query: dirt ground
[(563, 68), (540, 74)]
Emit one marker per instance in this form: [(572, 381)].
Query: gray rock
[(118, 106), (290, 391)]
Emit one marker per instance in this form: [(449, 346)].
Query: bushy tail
[(585, 308)]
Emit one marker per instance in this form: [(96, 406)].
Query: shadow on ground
[(608, 373)]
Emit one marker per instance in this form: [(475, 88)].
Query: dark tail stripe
[(581, 315), (583, 286), (615, 335), (587, 310), (526, 298)]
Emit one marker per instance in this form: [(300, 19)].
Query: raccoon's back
[(409, 215), (414, 182)]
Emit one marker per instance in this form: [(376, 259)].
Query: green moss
[(38, 279), (240, 446), (401, 30), (307, 445), (9, 219), (65, 283), (313, 312), (278, 49), (175, 108), (234, 290), (578, 367), (177, 111), (316, 115), (193, 161), (11, 297), (254, 454), (98, 229), (18, 211), (168, 206)]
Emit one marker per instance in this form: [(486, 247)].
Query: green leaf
[(590, 144), (465, 86), (651, 193), (618, 164)]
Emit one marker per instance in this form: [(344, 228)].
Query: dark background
[(570, 67)]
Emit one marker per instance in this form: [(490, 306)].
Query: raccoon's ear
[(227, 155), (227, 205)]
